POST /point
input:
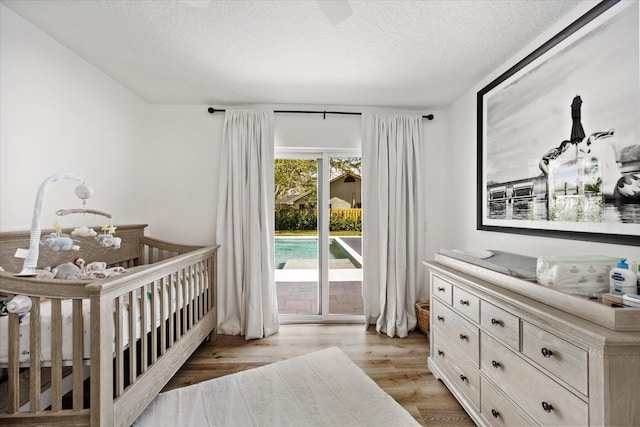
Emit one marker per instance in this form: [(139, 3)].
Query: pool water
[(286, 249)]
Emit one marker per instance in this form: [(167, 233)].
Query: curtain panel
[(392, 221), (247, 302)]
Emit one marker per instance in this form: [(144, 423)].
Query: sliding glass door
[(318, 235), (296, 236)]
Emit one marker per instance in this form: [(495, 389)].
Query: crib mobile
[(56, 240)]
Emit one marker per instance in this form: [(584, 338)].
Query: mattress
[(515, 265), (67, 324)]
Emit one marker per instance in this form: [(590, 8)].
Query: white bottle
[(20, 304), (622, 280)]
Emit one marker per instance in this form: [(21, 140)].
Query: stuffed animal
[(46, 273), (57, 243), (96, 266), (107, 241), (97, 269), (68, 271)]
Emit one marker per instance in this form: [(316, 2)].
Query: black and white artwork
[(559, 135)]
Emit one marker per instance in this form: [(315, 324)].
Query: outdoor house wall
[(460, 217), (345, 195)]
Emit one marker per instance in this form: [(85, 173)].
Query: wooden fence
[(346, 213)]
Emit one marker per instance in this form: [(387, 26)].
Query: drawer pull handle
[(495, 413), (440, 353), (441, 318), (463, 337), (463, 378), (440, 288), (496, 322), (495, 364), (547, 407), (464, 302), (546, 352)]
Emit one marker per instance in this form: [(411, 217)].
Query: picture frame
[(558, 134)]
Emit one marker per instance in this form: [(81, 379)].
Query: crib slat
[(35, 345), (143, 328), (78, 349), (178, 325), (196, 293), (189, 297), (197, 308), (185, 300), (206, 269), (119, 329), (165, 314), (210, 278), (132, 336), (205, 287), (56, 355), (202, 289), (14, 367), (155, 299)]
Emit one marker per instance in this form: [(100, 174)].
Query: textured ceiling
[(411, 54)]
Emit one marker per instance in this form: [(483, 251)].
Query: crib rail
[(154, 250), (129, 361)]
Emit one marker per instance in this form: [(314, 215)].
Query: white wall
[(183, 145), (312, 131), (460, 194), (60, 114)]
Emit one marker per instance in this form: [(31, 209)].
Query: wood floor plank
[(398, 366)]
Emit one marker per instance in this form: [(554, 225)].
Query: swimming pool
[(307, 249)]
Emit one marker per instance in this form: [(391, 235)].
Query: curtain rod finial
[(211, 110), (429, 116)]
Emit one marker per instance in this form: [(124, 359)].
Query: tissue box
[(586, 276)]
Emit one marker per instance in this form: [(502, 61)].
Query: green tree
[(340, 165), (293, 176), (299, 176)]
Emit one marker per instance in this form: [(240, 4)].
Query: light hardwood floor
[(399, 366)]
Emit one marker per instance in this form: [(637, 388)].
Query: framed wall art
[(559, 134)]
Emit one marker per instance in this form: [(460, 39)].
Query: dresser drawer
[(542, 398), (460, 332), (561, 358), (460, 373), (441, 289), (501, 324), (466, 303), (497, 410)]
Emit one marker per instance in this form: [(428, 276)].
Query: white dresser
[(511, 360)]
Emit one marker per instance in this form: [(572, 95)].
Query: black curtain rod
[(212, 110)]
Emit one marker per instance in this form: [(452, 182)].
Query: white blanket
[(324, 388)]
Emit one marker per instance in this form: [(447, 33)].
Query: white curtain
[(247, 303), (392, 221)]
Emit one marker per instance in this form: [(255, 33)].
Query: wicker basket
[(422, 313)]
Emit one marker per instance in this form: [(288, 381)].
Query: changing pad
[(520, 266)]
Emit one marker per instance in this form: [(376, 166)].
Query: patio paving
[(354, 242), (345, 297)]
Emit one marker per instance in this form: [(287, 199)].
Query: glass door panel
[(296, 236), (345, 236)]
